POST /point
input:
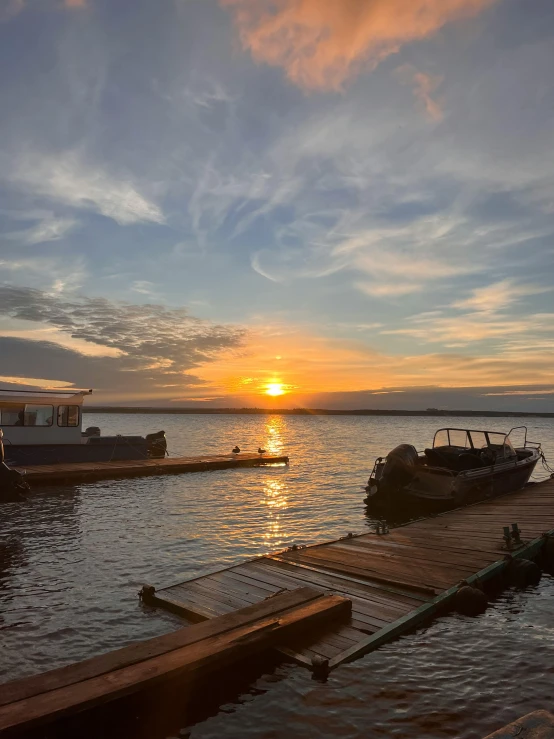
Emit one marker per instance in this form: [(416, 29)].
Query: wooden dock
[(56, 474), (186, 655), (395, 580), (536, 725)]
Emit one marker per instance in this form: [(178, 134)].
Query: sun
[(274, 389)]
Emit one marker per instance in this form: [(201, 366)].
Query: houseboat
[(463, 466), (44, 427)]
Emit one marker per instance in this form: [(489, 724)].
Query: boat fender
[(470, 601), (522, 572)]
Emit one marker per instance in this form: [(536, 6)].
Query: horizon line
[(309, 411)]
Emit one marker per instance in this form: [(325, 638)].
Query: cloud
[(424, 85), (388, 289), (67, 179), (49, 228), (149, 340), (492, 298), (485, 316), (321, 43)]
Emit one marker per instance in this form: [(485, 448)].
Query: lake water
[(73, 559)]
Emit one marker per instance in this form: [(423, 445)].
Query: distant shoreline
[(310, 412)]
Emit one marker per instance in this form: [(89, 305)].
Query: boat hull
[(431, 487), (107, 449)]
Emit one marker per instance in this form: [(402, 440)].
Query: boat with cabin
[(44, 427), (463, 466)]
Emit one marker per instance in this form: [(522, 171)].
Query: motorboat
[(463, 466), (44, 427)]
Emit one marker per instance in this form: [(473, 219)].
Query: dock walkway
[(395, 580), (185, 654), (90, 471)]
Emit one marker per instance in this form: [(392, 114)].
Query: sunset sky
[(325, 203)]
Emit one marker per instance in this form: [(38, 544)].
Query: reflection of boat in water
[(44, 427), (463, 466)]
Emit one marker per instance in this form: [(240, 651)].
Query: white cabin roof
[(43, 397)]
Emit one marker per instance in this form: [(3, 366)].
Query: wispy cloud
[(424, 86), (322, 44), (484, 316), (499, 295), (67, 179), (49, 228)]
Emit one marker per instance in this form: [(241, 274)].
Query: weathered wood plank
[(336, 581), (430, 583), (404, 558), (330, 582), (54, 679), (535, 725), (82, 686)]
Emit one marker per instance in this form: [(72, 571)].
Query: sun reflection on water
[(275, 428), (276, 501)]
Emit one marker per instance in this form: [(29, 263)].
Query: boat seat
[(457, 461), (436, 458), (468, 461)]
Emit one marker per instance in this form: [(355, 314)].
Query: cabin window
[(27, 415), (12, 415), (68, 415), (38, 415)]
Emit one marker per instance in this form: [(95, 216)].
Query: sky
[(279, 203)]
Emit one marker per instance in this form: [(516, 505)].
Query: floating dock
[(185, 655), (395, 580), (56, 474), (536, 725)]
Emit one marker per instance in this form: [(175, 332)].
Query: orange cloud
[(424, 85), (321, 43)]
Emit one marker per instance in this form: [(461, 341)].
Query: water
[(72, 561)]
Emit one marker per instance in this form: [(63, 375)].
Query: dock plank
[(333, 584), (203, 647)]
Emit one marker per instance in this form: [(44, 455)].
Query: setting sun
[(275, 388)]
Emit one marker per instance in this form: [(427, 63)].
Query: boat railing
[(527, 443)]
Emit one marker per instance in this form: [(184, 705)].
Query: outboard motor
[(12, 484), (157, 445), (392, 474), (400, 466)]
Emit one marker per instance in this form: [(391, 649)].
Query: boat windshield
[(452, 437), (473, 439)]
